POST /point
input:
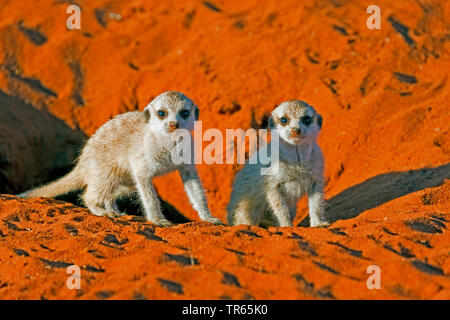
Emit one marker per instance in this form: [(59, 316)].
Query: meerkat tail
[(72, 181)]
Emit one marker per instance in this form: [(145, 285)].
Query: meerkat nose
[(173, 125), (296, 131)]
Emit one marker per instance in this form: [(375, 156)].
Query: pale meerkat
[(299, 170), (125, 154)]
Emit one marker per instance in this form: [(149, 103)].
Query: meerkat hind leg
[(317, 205), (242, 215), (113, 210), (91, 201), (111, 203)]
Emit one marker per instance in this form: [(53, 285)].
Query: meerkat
[(125, 154), (272, 198)]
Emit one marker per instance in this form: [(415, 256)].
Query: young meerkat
[(272, 198), (125, 154)]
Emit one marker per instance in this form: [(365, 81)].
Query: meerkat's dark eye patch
[(147, 114), (284, 121), (319, 121), (184, 114), (306, 120), (197, 114), (161, 114)]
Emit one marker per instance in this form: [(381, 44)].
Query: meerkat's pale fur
[(126, 153), (273, 197)]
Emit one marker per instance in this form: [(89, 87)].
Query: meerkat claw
[(321, 225), (163, 223), (214, 221), (112, 214)]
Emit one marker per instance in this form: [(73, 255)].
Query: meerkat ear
[(319, 121), (147, 114), (197, 113)]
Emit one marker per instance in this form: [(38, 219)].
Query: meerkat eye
[(306, 120), (283, 120), (161, 114), (184, 114)]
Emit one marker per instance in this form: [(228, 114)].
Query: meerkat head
[(171, 110), (296, 122)]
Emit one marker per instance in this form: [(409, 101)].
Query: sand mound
[(129, 259)]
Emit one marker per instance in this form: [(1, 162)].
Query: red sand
[(381, 129)]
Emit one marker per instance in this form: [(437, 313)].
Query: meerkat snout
[(296, 122), (170, 111), (296, 131), (272, 198), (173, 125)]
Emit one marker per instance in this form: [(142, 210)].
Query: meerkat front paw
[(320, 224), (163, 223), (285, 224), (213, 220), (115, 214)]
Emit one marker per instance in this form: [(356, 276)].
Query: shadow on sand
[(381, 189), (132, 206)]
